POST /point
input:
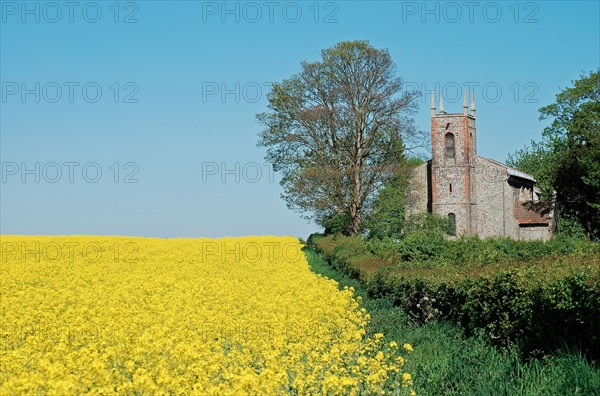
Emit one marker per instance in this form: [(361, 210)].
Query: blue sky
[(136, 118)]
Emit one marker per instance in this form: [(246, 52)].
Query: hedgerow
[(536, 295), (434, 250)]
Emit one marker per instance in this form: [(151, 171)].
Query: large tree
[(337, 131), (567, 159)]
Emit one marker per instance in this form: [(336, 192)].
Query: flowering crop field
[(116, 315)]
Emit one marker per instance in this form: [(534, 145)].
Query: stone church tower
[(453, 161), (479, 195)]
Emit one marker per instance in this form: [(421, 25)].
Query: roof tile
[(532, 212)]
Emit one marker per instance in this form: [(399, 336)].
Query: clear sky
[(138, 118)]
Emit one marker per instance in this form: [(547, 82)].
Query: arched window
[(449, 146), (452, 218)]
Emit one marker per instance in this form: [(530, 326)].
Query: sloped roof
[(511, 171), (522, 175), (530, 212)]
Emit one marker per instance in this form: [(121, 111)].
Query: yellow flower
[(393, 344), (116, 315), (408, 347)]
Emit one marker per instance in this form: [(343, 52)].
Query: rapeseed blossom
[(234, 316)]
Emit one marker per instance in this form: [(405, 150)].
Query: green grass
[(445, 362)]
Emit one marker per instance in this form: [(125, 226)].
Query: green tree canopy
[(337, 131), (567, 159), (387, 218)]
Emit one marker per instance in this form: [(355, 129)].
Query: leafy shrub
[(337, 223), (513, 303), (534, 294), (349, 255), (427, 222), (312, 239), (422, 246), (385, 248)]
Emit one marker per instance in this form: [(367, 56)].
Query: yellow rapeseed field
[(232, 316)]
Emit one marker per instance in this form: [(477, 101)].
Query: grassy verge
[(445, 362)]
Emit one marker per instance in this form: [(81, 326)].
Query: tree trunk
[(356, 204), (356, 219)]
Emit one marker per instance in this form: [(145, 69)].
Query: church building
[(479, 195)]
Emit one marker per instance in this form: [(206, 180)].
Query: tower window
[(450, 188), (452, 219), (449, 146)]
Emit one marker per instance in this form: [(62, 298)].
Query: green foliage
[(336, 130), (568, 157), (350, 255), (337, 223), (314, 238), (537, 159), (427, 223), (446, 362), (386, 218), (502, 287), (429, 250), (422, 246), (570, 227), (516, 304)]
